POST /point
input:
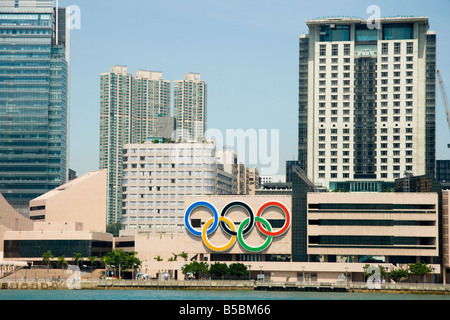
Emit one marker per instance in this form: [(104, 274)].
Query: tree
[(92, 260), (196, 268), (419, 269), (62, 262), (77, 258), (122, 260), (47, 258), (398, 274), (238, 269), (184, 255), (158, 258), (132, 261), (219, 269)]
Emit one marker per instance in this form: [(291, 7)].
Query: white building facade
[(156, 179), (367, 102)]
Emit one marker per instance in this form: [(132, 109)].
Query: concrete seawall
[(227, 285)]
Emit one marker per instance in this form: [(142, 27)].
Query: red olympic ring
[(286, 223)]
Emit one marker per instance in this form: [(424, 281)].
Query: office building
[(377, 227), (290, 164), (190, 107), (254, 181), (34, 95), (445, 235), (443, 173), (130, 107), (366, 102), (227, 158), (156, 179)]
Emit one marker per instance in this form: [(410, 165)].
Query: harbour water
[(206, 295)]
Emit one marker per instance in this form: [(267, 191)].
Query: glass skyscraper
[(34, 99)]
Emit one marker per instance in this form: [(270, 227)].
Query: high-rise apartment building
[(190, 107), (115, 131), (367, 101), (130, 107), (34, 99), (151, 103)]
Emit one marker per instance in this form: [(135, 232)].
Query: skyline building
[(156, 179), (367, 102), (34, 95), (190, 107), (130, 107), (135, 108), (115, 132), (151, 103)]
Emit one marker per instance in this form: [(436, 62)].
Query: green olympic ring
[(248, 247)]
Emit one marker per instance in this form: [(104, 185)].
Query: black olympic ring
[(250, 213)]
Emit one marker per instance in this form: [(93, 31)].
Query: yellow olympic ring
[(205, 237)]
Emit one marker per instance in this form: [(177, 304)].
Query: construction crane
[(444, 97)]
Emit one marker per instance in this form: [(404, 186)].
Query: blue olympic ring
[(208, 205)]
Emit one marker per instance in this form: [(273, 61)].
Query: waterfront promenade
[(111, 284), (42, 279)]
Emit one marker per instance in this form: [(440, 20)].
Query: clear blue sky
[(246, 50)]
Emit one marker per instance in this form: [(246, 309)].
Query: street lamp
[(387, 274), (249, 266), (346, 276), (303, 273)]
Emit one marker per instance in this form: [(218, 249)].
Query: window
[(409, 48), (362, 33), (323, 50), (398, 31), (334, 50), (385, 48), (347, 51), (335, 33), (397, 47)]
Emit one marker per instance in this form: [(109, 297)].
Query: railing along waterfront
[(178, 284), (226, 285)]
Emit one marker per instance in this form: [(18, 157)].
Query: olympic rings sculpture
[(245, 227)]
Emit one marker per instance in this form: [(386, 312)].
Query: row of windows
[(151, 218), (179, 227), (396, 47), (372, 206), (383, 168), (171, 180), (383, 175), (382, 119), (371, 240), (355, 222), (383, 74), (382, 145), (167, 173), (207, 166)]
